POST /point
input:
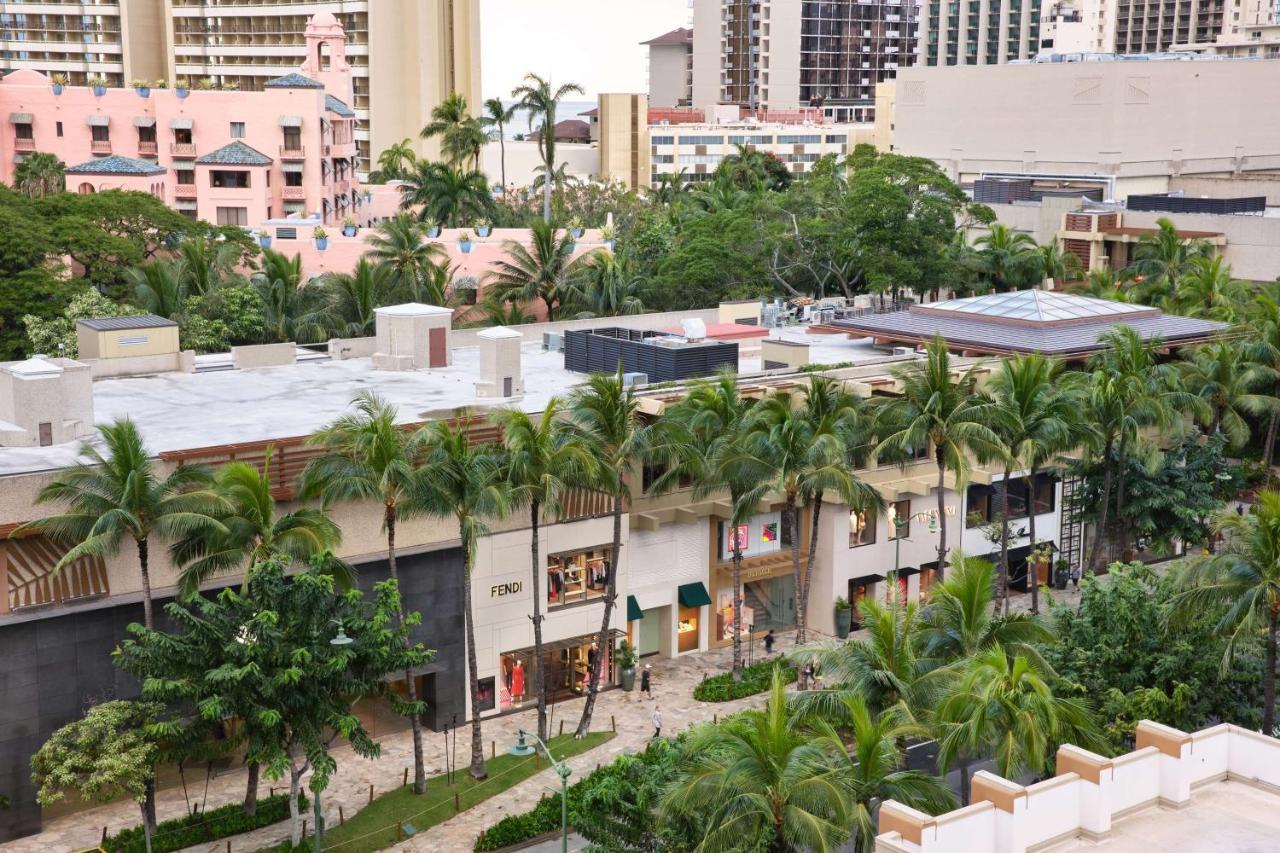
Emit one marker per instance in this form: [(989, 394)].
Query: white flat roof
[(413, 309)]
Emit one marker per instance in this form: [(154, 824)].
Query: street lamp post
[(520, 747), (340, 640), (898, 524)]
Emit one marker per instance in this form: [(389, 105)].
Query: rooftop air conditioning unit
[(552, 342), (904, 350), (632, 379), (694, 329)]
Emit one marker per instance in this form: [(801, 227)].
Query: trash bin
[(1061, 577)]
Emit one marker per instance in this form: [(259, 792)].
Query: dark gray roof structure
[(234, 154), (335, 105), (292, 80), (1026, 321), (114, 324), (116, 165)]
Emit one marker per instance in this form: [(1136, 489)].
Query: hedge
[(757, 678), (203, 827)]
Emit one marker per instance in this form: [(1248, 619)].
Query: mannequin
[(517, 682)]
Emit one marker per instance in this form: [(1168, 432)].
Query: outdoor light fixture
[(521, 746), (341, 639)]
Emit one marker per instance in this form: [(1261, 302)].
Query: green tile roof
[(234, 154)]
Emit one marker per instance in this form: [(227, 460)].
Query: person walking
[(657, 722), (646, 683), (768, 643), (1075, 577)]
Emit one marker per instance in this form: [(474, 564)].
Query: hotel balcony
[(100, 146), (184, 191), (23, 146), (182, 149), (292, 153), (341, 187), (148, 149), (293, 193)]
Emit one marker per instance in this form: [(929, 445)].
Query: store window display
[(577, 576)]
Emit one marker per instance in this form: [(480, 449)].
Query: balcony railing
[(182, 149), (184, 191), (293, 152), (148, 148), (293, 193), (100, 146), (24, 145)]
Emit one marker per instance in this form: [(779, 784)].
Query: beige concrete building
[(406, 55), (671, 68), (623, 123), (976, 32), (1260, 40)]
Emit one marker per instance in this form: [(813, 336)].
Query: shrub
[(755, 679), (202, 827)]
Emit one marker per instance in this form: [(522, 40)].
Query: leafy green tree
[(121, 494), (444, 195), (400, 245), (607, 288), (39, 175), (269, 658), (104, 756), (1059, 266), (229, 316), (460, 133), (618, 804), (540, 100), (294, 311), (58, 336), (209, 262), (160, 287), (545, 269), (498, 115), (752, 169), (355, 297), (712, 258)]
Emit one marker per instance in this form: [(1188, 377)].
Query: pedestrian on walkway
[(1075, 577), (646, 684), (768, 643), (657, 721)]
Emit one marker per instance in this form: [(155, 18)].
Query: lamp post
[(898, 524), (340, 639), (521, 747)]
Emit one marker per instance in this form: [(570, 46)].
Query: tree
[(39, 175), (544, 269), (58, 336), (606, 418), (1207, 290), (752, 169), (1008, 259), (1263, 316), (537, 98), (1002, 706), (209, 263), (941, 412), (104, 756), (444, 195), (1059, 266), (160, 287), (395, 162), (498, 115), (400, 246), (1163, 257), (1223, 377), (757, 776), (357, 295), (229, 316), (607, 288), (121, 494), (365, 455), (294, 310), (275, 659), (460, 133), (1243, 582), (543, 460), (464, 483)]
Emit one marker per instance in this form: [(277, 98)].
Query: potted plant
[(230, 86), (99, 84), (206, 84), (433, 231), (142, 88), (59, 82), (842, 617), (1061, 574), (321, 237), (464, 242), (181, 88), (1039, 561), (348, 226), (575, 227), (264, 239), (625, 657), (483, 228), (606, 234), (160, 84)]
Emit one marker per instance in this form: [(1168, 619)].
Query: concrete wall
[(170, 362), (668, 74), (582, 161), (624, 139), (533, 331), (1233, 187), (264, 355), (340, 349)]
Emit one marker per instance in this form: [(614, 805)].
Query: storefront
[(577, 576), (767, 600), (930, 574), (692, 597), (566, 668), (860, 589)]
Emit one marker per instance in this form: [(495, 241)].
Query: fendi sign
[(503, 589)]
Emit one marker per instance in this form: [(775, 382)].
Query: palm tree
[(1222, 376), (1008, 259), (1264, 350), (805, 445), (121, 494), (669, 188), (1207, 290), (540, 101), (558, 180), (753, 170), (464, 483), (356, 295), (940, 411), (719, 196), (499, 313), (544, 269), (1162, 258), (208, 264), (294, 311), (1003, 706), (444, 195), (543, 461), (400, 245), (1106, 284), (159, 287), (396, 161), (1058, 265), (607, 288), (1037, 417), (365, 455), (460, 134), (39, 175), (498, 115), (758, 776), (1242, 582)]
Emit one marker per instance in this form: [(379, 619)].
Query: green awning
[(633, 609), (694, 595)]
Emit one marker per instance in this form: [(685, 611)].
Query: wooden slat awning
[(27, 578)]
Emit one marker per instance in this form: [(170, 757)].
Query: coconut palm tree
[(1222, 375), (294, 311), (208, 264), (498, 115), (1038, 417), (464, 483), (395, 162), (1007, 259), (542, 460), (355, 296), (1207, 290), (444, 195), (540, 100), (460, 134), (1107, 284), (758, 776), (1264, 349), (558, 180), (940, 411), (669, 188), (499, 313), (1003, 706), (39, 175), (752, 170), (366, 456), (400, 245), (606, 418), (1242, 582), (159, 287), (803, 440), (607, 287), (1162, 258), (121, 494), (545, 269), (1058, 265)]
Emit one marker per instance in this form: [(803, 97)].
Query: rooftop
[(338, 106), (234, 154), (293, 80), (116, 165), (678, 36), (108, 324)]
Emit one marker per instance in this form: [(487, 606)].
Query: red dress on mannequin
[(517, 681)]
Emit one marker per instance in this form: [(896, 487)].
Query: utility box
[(776, 354), (501, 374), (412, 336), (126, 337)]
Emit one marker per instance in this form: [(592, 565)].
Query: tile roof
[(116, 165), (293, 80), (1038, 306), (334, 105), (680, 35), (235, 154), (111, 324)]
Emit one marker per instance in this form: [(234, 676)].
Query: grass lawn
[(374, 826)]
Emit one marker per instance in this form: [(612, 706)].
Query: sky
[(594, 43)]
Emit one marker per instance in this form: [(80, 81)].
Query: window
[(984, 503), (101, 133), (837, 137), (293, 179), (662, 140), (800, 139), (900, 520), (702, 140), (293, 139), (578, 576), (45, 428), (766, 533), (182, 136), (237, 130), (147, 134), (233, 216), (185, 177), (862, 529), (227, 179), (58, 128), (23, 131)]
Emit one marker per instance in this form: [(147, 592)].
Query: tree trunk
[(1002, 606), (942, 514), (1096, 551), (251, 789), (546, 191), (148, 617), (1269, 678), (411, 689), (791, 514), (1030, 479), (502, 160), (807, 579), (604, 644), (295, 815), (1122, 528), (146, 827), (539, 676), (965, 784), (473, 671), (737, 601), (1268, 452)]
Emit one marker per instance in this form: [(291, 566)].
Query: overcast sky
[(594, 43)]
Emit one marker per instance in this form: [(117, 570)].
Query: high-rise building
[(671, 68), (778, 56), (978, 32), (406, 56)]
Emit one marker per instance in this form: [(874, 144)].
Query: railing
[(184, 191), (293, 152), (182, 149), (24, 145), (293, 193), (100, 146), (145, 147)]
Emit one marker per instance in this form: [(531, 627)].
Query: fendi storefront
[(768, 589)]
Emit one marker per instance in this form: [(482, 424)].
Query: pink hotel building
[(231, 158)]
